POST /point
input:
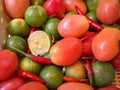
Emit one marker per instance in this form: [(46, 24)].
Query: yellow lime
[(39, 42)]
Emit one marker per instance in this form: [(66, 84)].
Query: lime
[(92, 15), (52, 75), (51, 27), (75, 70), (17, 42), (35, 15), (18, 27), (103, 73), (39, 42), (30, 66)]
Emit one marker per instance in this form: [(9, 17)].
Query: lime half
[(39, 42)]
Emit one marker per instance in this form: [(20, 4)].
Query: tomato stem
[(92, 23), (29, 75)]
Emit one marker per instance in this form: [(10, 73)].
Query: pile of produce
[(61, 45)]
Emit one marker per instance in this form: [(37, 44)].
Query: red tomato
[(73, 25), (33, 85), (66, 51), (8, 63), (74, 86), (109, 88), (54, 7), (16, 8), (70, 5), (12, 83)]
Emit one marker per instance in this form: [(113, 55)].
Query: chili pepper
[(94, 59), (89, 70), (38, 59), (29, 75), (92, 23), (31, 31), (71, 79)]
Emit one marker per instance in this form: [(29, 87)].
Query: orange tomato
[(66, 51), (74, 86), (33, 85), (73, 25), (16, 8), (70, 5)]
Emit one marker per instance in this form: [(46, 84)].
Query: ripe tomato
[(33, 85), (70, 5), (8, 63), (109, 88), (66, 51), (73, 25)]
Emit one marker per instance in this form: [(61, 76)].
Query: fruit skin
[(74, 86), (35, 15), (12, 83), (107, 11), (8, 63), (66, 51), (33, 85), (103, 73), (52, 75), (55, 8), (105, 44), (109, 88), (16, 8), (73, 26)]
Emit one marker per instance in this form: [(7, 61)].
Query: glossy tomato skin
[(8, 63), (70, 5), (12, 83), (33, 85), (73, 25), (16, 8), (66, 51), (54, 7), (109, 88)]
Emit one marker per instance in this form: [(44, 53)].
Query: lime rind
[(39, 42)]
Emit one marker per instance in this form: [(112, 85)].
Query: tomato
[(12, 83), (74, 86), (109, 88), (107, 11), (73, 25), (16, 8), (33, 85), (70, 5), (54, 7), (66, 51), (8, 63)]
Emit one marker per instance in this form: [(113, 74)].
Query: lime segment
[(39, 42)]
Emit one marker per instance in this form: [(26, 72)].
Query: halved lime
[(39, 42)]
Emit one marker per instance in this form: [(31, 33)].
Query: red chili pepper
[(92, 23), (29, 75), (38, 59), (89, 70), (31, 31), (71, 79)]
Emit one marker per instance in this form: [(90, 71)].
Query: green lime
[(30, 66), (52, 75), (18, 27), (76, 70), (17, 42), (39, 42), (91, 4), (51, 27), (103, 73), (35, 15), (37, 2), (92, 15)]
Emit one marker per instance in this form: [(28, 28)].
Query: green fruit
[(27, 64), (103, 73), (37, 2), (52, 75), (51, 27), (92, 15), (17, 42), (70, 13), (76, 70), (35, 15)]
